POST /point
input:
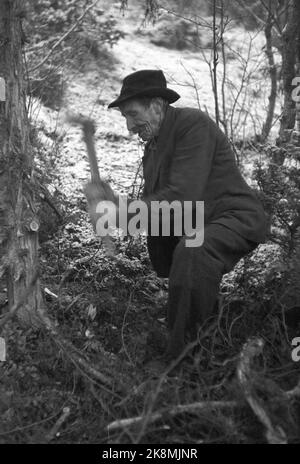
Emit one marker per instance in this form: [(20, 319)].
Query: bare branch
[(198, 22), (73, 354), (215, 64), (64, 37), (51, 435), (274, 434), (180, 409), (251, 12), (194, 84)]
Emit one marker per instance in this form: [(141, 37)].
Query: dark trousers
[(194, 275)]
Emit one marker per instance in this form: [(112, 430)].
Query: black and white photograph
[(149, 226)]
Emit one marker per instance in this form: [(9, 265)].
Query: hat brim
[(170, 95)]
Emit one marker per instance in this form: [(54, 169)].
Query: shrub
[(175, 33), (279, 181), (48, 86), (46, 23)]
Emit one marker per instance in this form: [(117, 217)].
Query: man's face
[(140, 119)]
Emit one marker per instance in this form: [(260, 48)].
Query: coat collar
[(163, 140), (157, 149), (164, 130), (168, 120)]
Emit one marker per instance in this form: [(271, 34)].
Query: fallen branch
[(192, 408), (150, 417), (73, 354), (53, 432), (252, 348), (162, 378), (65, 345)]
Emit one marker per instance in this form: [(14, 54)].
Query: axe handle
[(88, 132), (88, 135)]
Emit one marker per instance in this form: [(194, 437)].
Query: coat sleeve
[(191, 161)]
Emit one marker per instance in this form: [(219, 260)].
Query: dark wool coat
[(193, 160)]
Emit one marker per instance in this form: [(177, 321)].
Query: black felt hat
[(145, 83)]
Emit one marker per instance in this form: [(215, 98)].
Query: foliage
[(252, 14), (175, 33), (50, 202), (48, 18), (116, 325), (196, 7), (237, 11), (278, 179), (279, 182), (114, 311), (47, 21), (48, 86)]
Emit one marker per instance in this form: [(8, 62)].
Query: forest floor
[(113, 310)]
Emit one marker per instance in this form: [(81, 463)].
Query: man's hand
[(96, 193)]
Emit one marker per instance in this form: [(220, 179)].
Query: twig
[(252, 13), (252, 348), (67, 346), (123, 327), (76, 358), (29, 426), (63, 37), (41, 44), (50, 435), (203, 22), (48, 292), (194, 85), (216, 40), (72, 353), (295, 392), (44, 196), (162, 378), (180, 409), (223, 24)]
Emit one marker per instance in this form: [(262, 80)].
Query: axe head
[(87, 124)]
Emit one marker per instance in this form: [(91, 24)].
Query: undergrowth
[(113, 311)]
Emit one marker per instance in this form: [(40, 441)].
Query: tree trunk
[(215, 63), (18, 222), (297, 45), (224, 74), (273, 75), (289, 34)]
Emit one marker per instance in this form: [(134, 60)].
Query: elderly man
[(188, 158)]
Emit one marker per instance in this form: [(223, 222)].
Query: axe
[(88, 128)]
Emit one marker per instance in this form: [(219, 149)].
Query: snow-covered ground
[(186, 71)]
